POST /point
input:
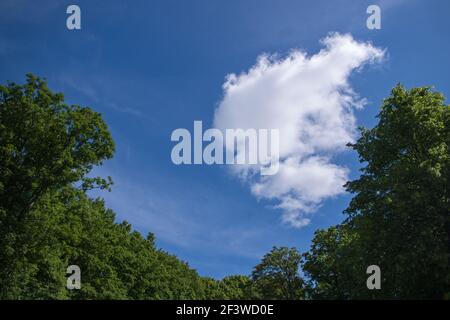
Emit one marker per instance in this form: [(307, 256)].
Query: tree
[(402, 201), (48, 221), (67, 227), (399, 218), (44, 146), (237, 287), (277, 276), (333, 266)]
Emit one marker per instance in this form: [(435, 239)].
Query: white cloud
[(309, 99)]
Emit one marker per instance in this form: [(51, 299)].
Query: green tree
[(277, 276), (332, 264), (67, 227), (399, 218), (47, 220), (44, 146), (237, 287)]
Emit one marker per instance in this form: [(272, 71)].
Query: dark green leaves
[(399, 217)]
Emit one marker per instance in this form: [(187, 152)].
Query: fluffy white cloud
[(310, 101)]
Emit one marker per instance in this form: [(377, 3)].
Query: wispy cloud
[(91, 89), (81, 87)]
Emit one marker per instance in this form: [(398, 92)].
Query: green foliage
[(277, 276), (237, 287), (45, 145), (332, 264), (116, 262), (399, 218), (47, 224)]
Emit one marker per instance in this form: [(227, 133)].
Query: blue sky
[(153, 66)]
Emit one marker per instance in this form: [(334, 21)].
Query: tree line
[(398, 218)]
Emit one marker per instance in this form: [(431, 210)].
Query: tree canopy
[(398, 218), (277, 276)]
